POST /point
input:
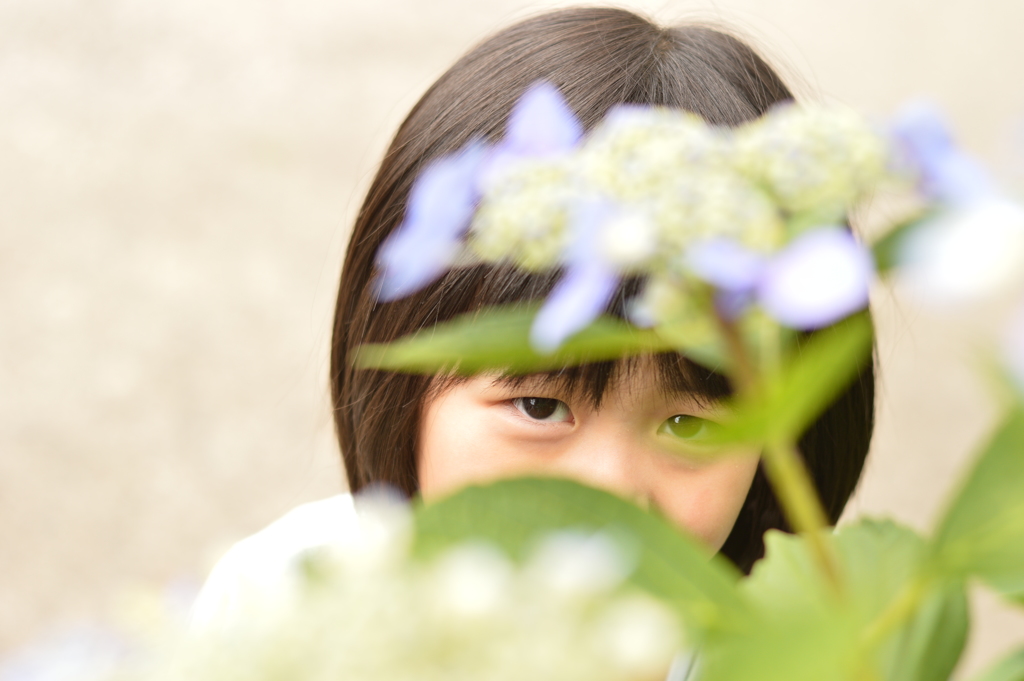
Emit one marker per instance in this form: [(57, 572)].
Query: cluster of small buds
[(670, 180), (815, 161), (526, 216), (372, 612)]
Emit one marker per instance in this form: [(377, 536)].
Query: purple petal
[(576, 300), (586, 219), (588, 284), (410, 262), (443, 197), (441, 204), (945, 171), (725, 264), (541, 123), (821, 277), (731, 304)]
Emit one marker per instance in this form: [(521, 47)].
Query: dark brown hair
[(597, 57)]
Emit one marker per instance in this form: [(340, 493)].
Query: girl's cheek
[(446, 459), (706, 501), (465, 440)]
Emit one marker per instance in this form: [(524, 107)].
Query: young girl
[(604, 424)]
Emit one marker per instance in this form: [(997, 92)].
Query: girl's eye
[(685, 427), (543, 408)]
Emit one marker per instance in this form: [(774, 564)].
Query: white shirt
[(265, 567)]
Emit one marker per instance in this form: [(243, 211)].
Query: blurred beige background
[(176, 182)]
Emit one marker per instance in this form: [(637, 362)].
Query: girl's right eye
[(543, 409)]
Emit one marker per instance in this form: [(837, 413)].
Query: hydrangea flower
[(577, 300), (658, 193), (725, 264), (717, 204), (86, 653), (541, 124), (527, 183)]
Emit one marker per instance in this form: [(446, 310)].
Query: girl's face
[(640, 443)]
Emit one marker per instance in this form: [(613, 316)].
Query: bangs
[(674, 374), (494, 285)]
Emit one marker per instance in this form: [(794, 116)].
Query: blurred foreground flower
[(369, 611), (973, 250), (975, 245), (943, 171)]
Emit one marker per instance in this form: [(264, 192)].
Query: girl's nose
[(612, 462)]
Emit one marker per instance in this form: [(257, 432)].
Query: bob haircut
[(598, 58)]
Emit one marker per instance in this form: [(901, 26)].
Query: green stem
[(799, 499), (771, 352), (744, 373), (898, 611), (783, 464)]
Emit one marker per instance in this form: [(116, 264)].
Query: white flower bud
[(639, 636), (577, 564), (384, 532), (472, 579), (967, 253), (628, 239)]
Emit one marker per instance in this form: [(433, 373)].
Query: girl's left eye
[(685, 427), (543, 409)]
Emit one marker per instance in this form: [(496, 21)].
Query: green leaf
[(802, 630), (796, 633), (783, 407), (929, 646), (883, 561), (499, 338), (1010, 668), (514, 514), (887, 250), (982, 534)]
